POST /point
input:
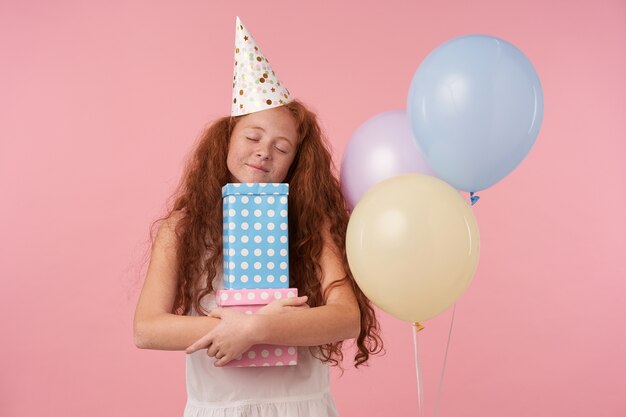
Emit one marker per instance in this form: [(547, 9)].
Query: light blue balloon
[(476, 107)]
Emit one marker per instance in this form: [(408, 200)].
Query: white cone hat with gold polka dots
[(255, 85)]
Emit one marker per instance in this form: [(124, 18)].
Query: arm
[(155, 327), (338, 319)]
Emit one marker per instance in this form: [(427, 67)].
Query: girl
[(177, 310)]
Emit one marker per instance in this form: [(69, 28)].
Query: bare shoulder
[(331, 259), (329, 241), (166, 234)]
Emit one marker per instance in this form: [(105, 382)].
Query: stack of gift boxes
[(256, 259)]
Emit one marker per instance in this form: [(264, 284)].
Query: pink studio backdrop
[(101, 101)]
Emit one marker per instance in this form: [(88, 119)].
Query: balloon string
[(443, 367), (474, 198), (418, 374)]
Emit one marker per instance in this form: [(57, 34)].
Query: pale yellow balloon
[(413, 246)]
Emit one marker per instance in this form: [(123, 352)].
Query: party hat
[(255, 85)]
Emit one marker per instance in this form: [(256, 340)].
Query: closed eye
[(281, 150)]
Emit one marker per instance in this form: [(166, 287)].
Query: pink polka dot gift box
[(256, 236), (249, 301)]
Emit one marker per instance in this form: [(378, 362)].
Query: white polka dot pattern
[(256, 235), (252, 298), (266, 355), (249, 301), (256, 260)]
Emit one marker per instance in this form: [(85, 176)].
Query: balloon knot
[(474, 198), (418, 327)]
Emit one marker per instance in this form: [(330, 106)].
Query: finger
[(300, 307), (212, 350), (295, 301), (222, 361), (216, 313), (201, 343)]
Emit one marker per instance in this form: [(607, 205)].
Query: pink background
[(101, 101)]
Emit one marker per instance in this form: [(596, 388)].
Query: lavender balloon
[(381, 148)]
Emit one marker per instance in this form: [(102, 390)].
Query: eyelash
[(276, 147)]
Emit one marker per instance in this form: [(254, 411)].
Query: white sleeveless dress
[(278, 391)]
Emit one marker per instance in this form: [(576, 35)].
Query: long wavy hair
[(315, 201)]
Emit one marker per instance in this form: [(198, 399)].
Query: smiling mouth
[(257, 168)]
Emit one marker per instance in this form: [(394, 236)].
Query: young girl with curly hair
[(177, 308)]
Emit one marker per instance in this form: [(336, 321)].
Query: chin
[(251, 178)]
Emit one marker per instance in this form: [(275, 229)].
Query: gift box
[(249, 301), (256, 236)]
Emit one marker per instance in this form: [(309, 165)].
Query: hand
[(229, 339), (284, 305)]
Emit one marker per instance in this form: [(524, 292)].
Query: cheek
[(285, 167), (231, 158), (234, 152)]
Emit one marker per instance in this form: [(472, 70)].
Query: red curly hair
[(315, 201)]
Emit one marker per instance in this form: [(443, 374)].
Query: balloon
[(476, 107), (381, 148), (413, 246)]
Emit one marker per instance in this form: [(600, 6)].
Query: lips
[(257, 168)]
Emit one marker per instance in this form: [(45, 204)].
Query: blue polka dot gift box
[(256, 235), (249, 301)]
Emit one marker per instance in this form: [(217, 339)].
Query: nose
[(262, 152)]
